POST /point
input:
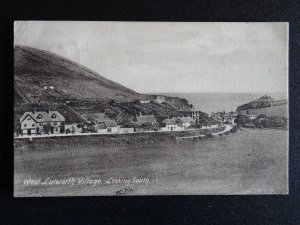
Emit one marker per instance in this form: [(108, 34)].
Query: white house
[(28, 124), (111, 126), (33, 123), (107, 126), (171, 125), (214, 126), (186, 121), (126, 130), (101, 128), (102, 123)]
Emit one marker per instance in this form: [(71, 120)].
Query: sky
[(161, 57)]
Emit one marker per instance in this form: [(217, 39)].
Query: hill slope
[(266, 106), (262, 102), (83, 90), (71, 82)]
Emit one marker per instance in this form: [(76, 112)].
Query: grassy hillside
[(263, 102), (75, 87), (71, 81)]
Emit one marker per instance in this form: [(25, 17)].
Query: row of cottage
[(53, 122)]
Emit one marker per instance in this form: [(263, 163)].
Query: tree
[(47, 128), (136, 101), (112, 102), (272, 121), (18, 129), (275, 121), (242, 119), (127, 123), (62, 127)]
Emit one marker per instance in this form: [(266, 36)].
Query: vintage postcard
[(150, 108)]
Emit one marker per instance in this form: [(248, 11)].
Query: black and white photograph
[(150, 108)]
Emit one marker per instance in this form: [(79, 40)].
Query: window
[(25, 125), (39, 116), (54, 123), (53, 115), (109, 130), (41, 124), (28, 118), (33, 124), (56, 129)]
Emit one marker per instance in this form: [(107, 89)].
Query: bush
[(242, 119), (275, 121)]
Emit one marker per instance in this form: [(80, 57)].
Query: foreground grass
[(247, 162)]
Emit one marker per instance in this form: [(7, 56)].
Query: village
[(53, 123), (41, 123)]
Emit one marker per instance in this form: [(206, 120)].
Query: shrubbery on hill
[(242, 120), (263, 121)]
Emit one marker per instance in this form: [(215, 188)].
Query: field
[(279, 110), (246, 162)]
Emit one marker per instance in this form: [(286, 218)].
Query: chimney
[(140, 113)]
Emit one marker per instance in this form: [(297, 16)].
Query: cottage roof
[(97, 117), (56, 116), (42, 116), (101, 125), (146, 119), (169, 121), (186, 119), (110, 123), (27, 114), (214, 122)]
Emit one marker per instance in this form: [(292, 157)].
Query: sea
[(219, 102)]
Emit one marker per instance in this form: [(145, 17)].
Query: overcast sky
[(171, 57)]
